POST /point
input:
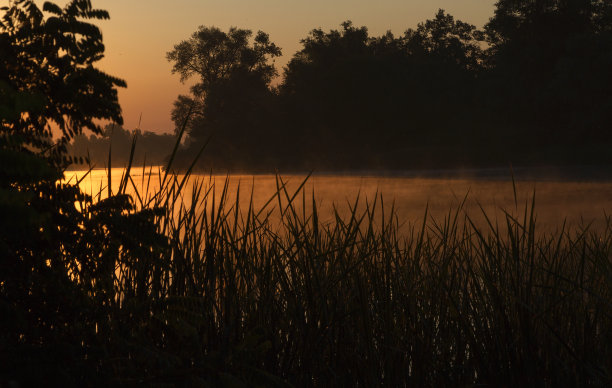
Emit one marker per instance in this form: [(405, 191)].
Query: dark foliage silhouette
[(59, 250), (231, 100), (153, 149), (549, 60), (531, 88), (380, 99)]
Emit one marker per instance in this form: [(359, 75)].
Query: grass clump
[(275, 296)]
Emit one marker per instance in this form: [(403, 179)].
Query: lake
[(573, 199)]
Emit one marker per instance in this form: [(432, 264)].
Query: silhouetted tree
[(51, 59), (57, 263), (329, 87), (534, 83), (448, 41), (549, 60), (231, 99), (377, 98), (445, 60)]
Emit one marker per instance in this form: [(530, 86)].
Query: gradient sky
[(140, 32)]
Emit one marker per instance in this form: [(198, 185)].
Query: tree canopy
[(51, 60), (220, 61), (549, 60), (231, 94), (375, 97), (58, 249), (525, 88)]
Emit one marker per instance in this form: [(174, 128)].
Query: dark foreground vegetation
[(179, 287)]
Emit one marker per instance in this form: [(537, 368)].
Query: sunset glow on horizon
[(139, 34)]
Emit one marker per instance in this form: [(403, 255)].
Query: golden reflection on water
[(577, 203)]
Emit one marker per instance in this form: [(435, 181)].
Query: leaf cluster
[(51, 58), (217, 58)]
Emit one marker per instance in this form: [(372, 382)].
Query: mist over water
[(577, 203)]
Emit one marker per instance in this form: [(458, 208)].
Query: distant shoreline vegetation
[(533, 87), (565, 161), (151, 148)]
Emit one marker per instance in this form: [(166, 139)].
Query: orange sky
[(140, 32)]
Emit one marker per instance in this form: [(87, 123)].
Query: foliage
[(153, 149), (52, 59), (549, 60), (231, 96), (342, 84), (454, 42), (57, 248), (531, 88)]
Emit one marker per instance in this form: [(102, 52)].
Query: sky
[(141, 32)]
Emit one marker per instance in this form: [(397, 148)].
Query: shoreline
[(575, 173)]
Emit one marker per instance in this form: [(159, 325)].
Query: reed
[(237, 295)]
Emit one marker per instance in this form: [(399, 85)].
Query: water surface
[(557, 201)]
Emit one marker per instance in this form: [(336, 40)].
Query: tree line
[(531, 87), (152, 149)]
